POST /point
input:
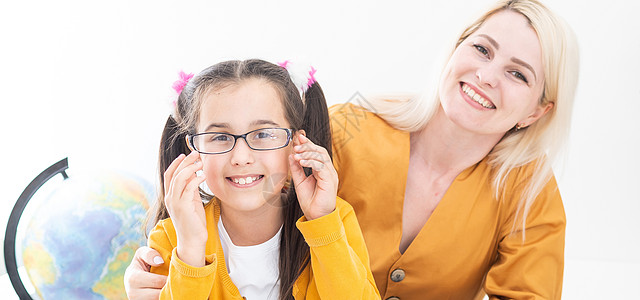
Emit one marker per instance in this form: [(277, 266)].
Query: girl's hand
[(316, 193), (185, 208)]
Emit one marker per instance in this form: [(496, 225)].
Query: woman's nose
[(487, 75)]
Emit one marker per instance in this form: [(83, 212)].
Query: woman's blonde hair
[(539, 143)]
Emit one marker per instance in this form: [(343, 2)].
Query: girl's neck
[(447, 149), (251, 228)]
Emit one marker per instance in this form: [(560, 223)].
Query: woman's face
[(495, 78), (245, 179)]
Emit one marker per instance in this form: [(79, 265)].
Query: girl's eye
[(220, 138), (481, 49), (264, 134), (519, 76)]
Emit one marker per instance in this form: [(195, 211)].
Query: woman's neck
[(447, 149), (248, 228)]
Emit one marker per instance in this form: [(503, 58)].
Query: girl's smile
[(244, 181)]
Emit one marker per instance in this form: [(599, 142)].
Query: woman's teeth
[(476, 97), (245, 180)]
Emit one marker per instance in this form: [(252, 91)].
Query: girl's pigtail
[(294, 250), (293, 247), (172, 144), (316, 117), (173, 141)]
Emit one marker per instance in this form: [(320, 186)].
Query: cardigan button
[(393, 298), (397, 275)]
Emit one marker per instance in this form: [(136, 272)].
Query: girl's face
[(245, 179), (495, 78)]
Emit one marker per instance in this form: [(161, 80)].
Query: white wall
[(91, 81)]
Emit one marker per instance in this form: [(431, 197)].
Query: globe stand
[(14, 218)]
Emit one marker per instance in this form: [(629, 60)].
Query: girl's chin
[(248, 202)]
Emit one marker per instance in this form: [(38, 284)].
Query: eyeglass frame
[(236, 137)]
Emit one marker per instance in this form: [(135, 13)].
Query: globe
[(80, 239)]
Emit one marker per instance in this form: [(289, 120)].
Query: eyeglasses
[(259, 139)]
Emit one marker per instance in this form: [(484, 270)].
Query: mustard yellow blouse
[(465, 249), (339, 267)]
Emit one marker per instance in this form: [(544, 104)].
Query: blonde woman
[(455, 194)]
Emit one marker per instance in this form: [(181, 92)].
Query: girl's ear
[(186, 140), (295, 139)]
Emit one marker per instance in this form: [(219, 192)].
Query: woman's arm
[(139, 282), (532, 268)]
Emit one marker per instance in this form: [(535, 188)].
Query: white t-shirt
[(253, 269)]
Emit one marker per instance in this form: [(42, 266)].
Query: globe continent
[(80, 240)]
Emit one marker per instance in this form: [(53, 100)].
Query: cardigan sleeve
[(183, 281), (339, 258), (529, 264)]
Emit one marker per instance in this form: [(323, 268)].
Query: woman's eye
[(481, 49), (519, 76)]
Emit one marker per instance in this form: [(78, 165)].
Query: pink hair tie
[(312, 79), (182, 81), (283, 64), (302, 75)]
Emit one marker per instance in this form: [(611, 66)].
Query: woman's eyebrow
[(526, 65), (491, 40)]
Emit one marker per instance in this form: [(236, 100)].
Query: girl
[(250, 134)]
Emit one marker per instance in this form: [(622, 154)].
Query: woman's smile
[(476, 96)]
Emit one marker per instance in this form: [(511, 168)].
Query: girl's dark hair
[(310, 114)]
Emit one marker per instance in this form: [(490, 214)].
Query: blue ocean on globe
[(81, 238)]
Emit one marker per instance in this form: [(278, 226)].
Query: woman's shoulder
[(524, 173), (521, 178), (350, 122), (348, 117), (346, 108)]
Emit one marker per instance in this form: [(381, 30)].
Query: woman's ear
[(537, 114)]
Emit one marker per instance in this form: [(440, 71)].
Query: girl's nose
[(241, 154)]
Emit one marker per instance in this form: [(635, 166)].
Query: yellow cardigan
[(339, 267), (465, 249)]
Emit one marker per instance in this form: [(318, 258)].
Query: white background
[(92, 81)]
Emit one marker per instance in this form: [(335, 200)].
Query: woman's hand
[(139, 282), (316, 193), (185, 208)]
